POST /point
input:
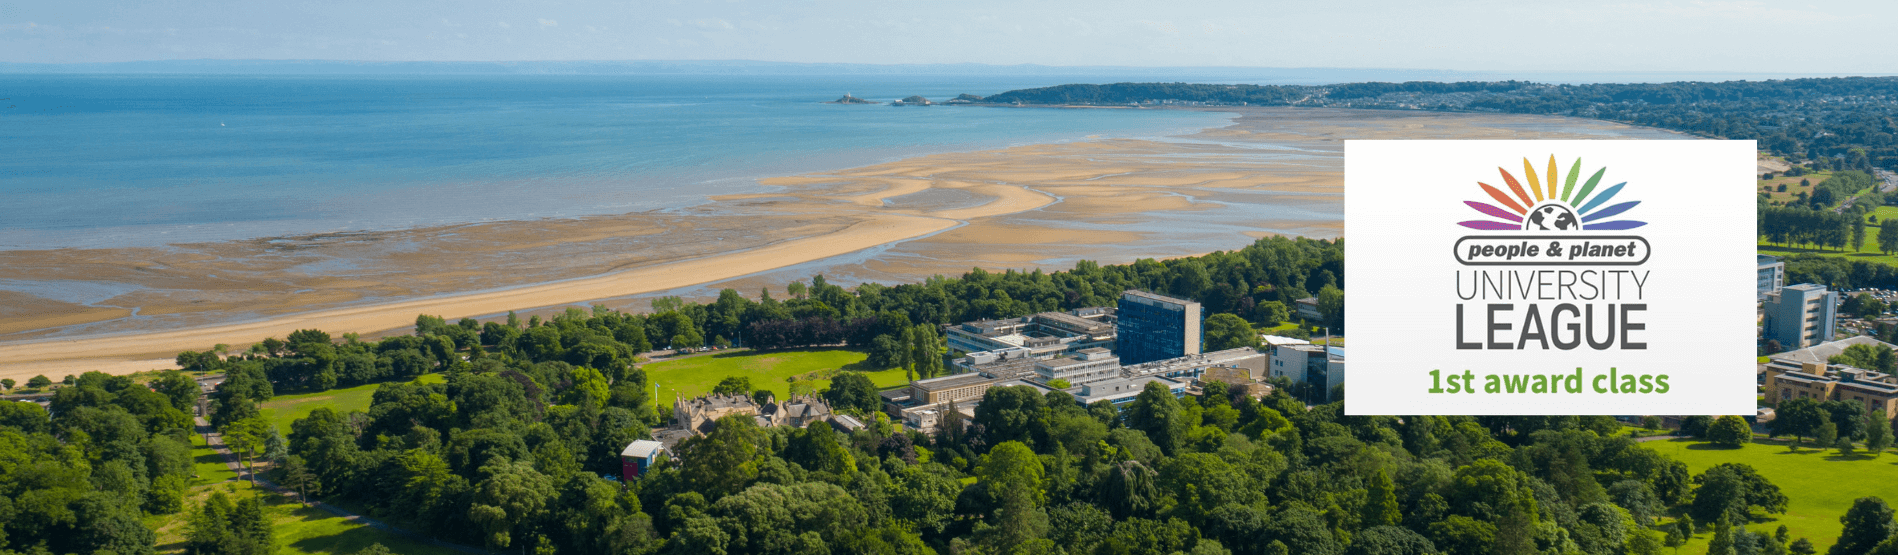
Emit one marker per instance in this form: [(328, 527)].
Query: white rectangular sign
[(1550, 277)]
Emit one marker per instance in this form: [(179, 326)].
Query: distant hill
[(1841, 123)]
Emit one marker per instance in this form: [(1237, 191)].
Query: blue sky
[(1580, 35)]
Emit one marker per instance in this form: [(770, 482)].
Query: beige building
[(1808, 374), (1832, 382)]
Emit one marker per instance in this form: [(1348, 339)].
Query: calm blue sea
[(106, 161)]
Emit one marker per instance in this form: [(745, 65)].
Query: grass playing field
[(299, 529), (1771, 186), (284, 409), (771, 370), (1820, 485), (689, 377)]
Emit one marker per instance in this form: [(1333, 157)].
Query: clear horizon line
[(928, 64)]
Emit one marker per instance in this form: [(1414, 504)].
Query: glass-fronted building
[(1153, 327)]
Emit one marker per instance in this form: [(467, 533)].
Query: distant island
[(847, 99), (913, 100)]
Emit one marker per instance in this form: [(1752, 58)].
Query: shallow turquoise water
[(106, 161)]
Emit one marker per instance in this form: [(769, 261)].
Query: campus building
[(1092, 375), (1319, 365), (1042, 335), (1307, 308), (956, 387), (1121, 391), (1189, 367), (1799, 316), (1154, 327), (1822, 381), (699, 415), (1772, 275), (1087, 366)]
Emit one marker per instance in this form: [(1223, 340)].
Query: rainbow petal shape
[(1583, 201)]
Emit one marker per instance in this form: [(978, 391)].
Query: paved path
[(667, 355), (216, 441), (1655, 438)]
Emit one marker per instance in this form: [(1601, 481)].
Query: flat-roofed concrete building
[(1799, 316), (1121, 391), (1772, 274), (1091, 374), (957, 387), (1006, 363), (1192, 366), (1156, 327), (1088, 365), (1044, 335)]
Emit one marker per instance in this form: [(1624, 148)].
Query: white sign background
[(1403, 200)]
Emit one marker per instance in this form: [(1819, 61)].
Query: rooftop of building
[(1765, 259), (641, 449), (1203, 359), (717, 401), (1086, 320), (1803, 287), (951, 381), (1277, 340), (1337, 352), (1004, 365), (1136, 293), (1847, 377), (1073, 321), (1021, 383), (1121, 387), (1825, 351), (847, 422)]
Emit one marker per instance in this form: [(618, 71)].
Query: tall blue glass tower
[(1153, 327)]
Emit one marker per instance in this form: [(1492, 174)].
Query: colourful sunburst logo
[(1572, 210)]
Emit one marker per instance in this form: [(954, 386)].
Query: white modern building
[(1319, 365)]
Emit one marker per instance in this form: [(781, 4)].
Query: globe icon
[(1551, 217)]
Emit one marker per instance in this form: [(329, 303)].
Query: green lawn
[(771, 370), (207, 463), (1820, 485), (1637, 431), (1867, 251), (284, 409), (299, 529), (1271, 330)]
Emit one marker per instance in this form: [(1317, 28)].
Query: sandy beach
[(1273, 171)]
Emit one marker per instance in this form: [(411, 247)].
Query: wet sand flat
[(1273, 171)]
